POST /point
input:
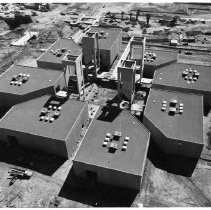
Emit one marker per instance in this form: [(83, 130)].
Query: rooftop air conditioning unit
[(127, 138), (124, 148), (59, 108), (113, 146), (44, 111), (51, 120), (173, 102), (172, 110), (106, 139), (105, 143), (180, 111), (42, 118), (118, 133), (108, 135), (125, 143), (50, 107), (14, 77), (197, 74), (46, 118)]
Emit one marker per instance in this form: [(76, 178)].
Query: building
[(52, 58), (175, 120), (73, 72), (66, 56), (185, 78), (22, 83), (91, 57), (126, 80), (113, 150), (110, 41), (154, 59), (48, 123)]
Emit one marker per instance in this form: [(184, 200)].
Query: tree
[(148, 16), (122, 13), (108, 14), (137, 14), (173, 21), (131, 16)]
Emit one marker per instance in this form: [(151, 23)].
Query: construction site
[(105, 105)]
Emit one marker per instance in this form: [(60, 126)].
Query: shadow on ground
[(171, 163), (36, 161), (95, 194)]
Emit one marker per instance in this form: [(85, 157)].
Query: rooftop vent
[(117, 135), (124, 148), (51, 120), (19, 79), (190, 75), (174, 107), (46, 118), (172, 110), (108, 135), (44, 111), (173, 102), (148, 56), (113, 147), (127, 138), (105, 143), (56, 114), (42, 118)]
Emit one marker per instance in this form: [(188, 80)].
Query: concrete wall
[(108, 176), (49, 65), (105, 58), (32, 141), (73, 137), (60, 82), (172, 146), (8, 100), (115, 49), (148, 71), (88, 48), (126, 77)]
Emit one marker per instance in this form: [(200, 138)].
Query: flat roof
[(109, 120), (162, 56), (172, 76), (24, 118), (187, 126), (62, 43), (39, 79), (107, 43)]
